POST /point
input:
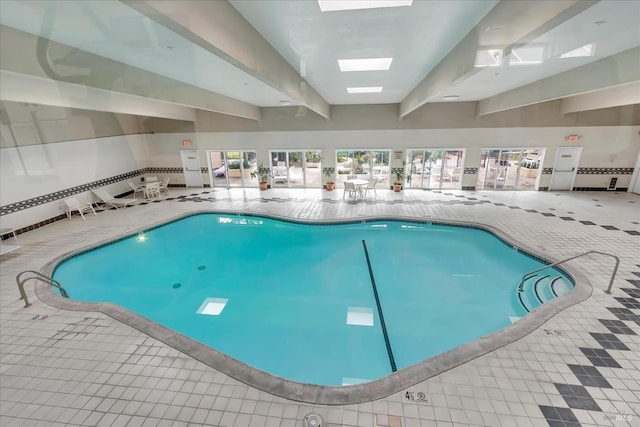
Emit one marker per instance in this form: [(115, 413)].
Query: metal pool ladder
[(37, 276), (613, 274)]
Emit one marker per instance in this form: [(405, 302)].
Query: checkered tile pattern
[(578, 397), (87, 369)]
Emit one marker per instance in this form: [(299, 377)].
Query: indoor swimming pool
[(327, 304)]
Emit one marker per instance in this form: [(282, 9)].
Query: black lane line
[(375, 294)]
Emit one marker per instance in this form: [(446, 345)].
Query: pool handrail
[(37, 276), (613, 274)]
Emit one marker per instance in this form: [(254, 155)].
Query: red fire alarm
[(573, 138), (186, 143)]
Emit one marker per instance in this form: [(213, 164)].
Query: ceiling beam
[(614, 70), (616, 96), (533, 19), (37, 90), (219, 28), (59, 62)]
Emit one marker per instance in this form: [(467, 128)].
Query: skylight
[(489, 58), (586, 50), (366, 64), (335, 5), (373, 89), (527, 55)]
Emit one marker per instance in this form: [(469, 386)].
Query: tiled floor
[(580, 368)]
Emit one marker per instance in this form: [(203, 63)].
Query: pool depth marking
[(382, 324)]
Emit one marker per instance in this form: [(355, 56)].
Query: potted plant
[(263, 174), (399, 174), (329, 173)]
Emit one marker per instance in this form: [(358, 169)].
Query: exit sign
[(573, 138), (186, 143)]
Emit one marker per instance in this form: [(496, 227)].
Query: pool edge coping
[(319, 394)]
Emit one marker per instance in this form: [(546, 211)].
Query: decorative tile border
[(47, 198), (605, 171), (471, 171), (547, 171), (618, 189), (165, 170)]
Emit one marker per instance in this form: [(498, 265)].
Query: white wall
[(604, 146), (37, 170)]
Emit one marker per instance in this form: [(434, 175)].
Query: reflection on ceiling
[(162, 59)]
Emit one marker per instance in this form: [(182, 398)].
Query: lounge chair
[(73, 205), (5, 249), (109, 200)]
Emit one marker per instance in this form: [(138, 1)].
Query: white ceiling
[(172, 39)]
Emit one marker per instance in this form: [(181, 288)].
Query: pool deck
[(582, 367)]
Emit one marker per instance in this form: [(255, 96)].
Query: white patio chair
[(152, 190), (371, 186), (109, 200), (136, 188), (349, 187), (164, 186), (74, 205)]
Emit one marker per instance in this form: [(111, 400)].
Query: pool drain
[(312, 420)]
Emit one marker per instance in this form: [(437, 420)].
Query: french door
[(510, 169), (362, 164), (434, 169), (296, 168), (232, 168)]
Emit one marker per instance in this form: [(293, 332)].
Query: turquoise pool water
[(298, 300)]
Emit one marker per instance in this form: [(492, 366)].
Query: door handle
[(572, 169)]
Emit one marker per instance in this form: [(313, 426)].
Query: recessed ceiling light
[(373, 89), (365, 64), (333, 5), (450, 97)]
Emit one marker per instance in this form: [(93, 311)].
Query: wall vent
[(612, 183)]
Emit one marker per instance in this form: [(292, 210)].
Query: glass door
[(380, 160), (232, 168), (313, 169), (296, 168), (362, 164), (433, 169), (235, 168), (509, 169), (217, 169)]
